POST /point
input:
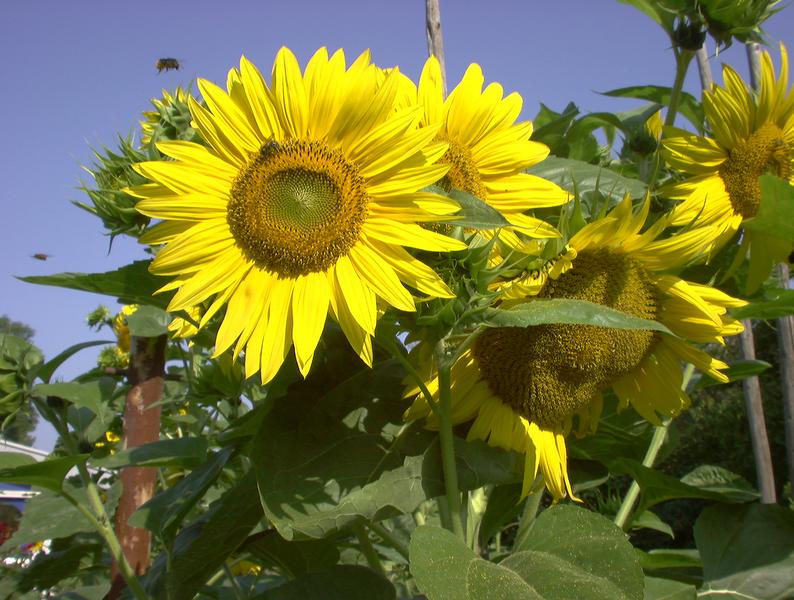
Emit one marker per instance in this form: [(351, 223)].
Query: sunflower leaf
[(334, 451), (148, 321), (747, 551), (475, 213), (576, 176), (688, 105), (131, 284), (775, 215), (564, 310), (553, 564)]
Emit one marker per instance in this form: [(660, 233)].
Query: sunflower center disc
[(547, 373), (297, 208), (765, 151), (463, 174)]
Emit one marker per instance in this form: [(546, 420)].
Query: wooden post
[(757, 422), (435, 40), (785, 339), (141, 426)]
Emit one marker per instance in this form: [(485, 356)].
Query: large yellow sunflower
[(753, 134), (298, 205), (488, 151), (522, 387)]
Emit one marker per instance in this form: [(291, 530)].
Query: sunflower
[(299, 204), (753, 135), (523, 387), (487, 150)]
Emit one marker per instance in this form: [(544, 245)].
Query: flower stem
[(389, 538), (367, 549), (682, 60), (447, 440), (657, 441), (531, 506)]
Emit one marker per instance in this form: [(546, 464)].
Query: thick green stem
[(397, 353), (389, 538), (657, 441), (531, 507), (446, 437), (682, 60), (367, 549)]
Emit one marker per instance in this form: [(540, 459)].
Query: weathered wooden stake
[(141, 426), (435, 40)]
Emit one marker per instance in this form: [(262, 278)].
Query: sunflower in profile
[(523, 387), (299, 204), (488, 151), (753, 135)]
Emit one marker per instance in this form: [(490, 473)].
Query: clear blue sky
[(77, 73)]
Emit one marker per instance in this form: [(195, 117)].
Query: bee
[(269, 148), (167, 64), (41, 256)]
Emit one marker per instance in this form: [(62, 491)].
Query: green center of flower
[(463, 173), (297, 208), (548, 373), (765, 151)]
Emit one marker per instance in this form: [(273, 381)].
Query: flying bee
[(167, 64), (41, 256)]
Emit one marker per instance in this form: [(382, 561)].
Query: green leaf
[(204, 545), (649, 520), (184, 452), (667, 589), (47, 570), (571, 552), (48, 474), (747, 551), (439, 562), (46, 371), (148, 321), (475, 213), (50, 516), (488, 581), (504, 504), (11, 460), (775, 215), (670, 559), (657, 487), (688, 105), (164, 513), (342, 582), (575, 175), (292, 558), (327, 458), (94, 395), (722, 481), (563, 310), (477, 463), (780, 304), (131, 284)]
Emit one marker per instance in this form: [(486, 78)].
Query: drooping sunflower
[(523, 388), (753, 134), (488, 151), (299, 204)]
